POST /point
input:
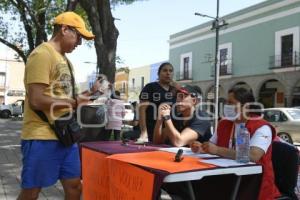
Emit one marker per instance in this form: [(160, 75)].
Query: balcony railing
[(285, 61), (181, 77), (225, 68)]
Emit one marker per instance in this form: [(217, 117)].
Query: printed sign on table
[(95, 175), (129, 182)]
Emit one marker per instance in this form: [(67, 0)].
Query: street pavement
[(11, 161), (10, 165)]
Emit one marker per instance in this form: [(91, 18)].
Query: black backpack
[(285, 158)]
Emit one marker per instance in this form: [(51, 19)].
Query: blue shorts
[(46, 161)]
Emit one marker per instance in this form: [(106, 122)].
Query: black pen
[(179, 155)]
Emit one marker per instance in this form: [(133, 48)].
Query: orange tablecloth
[(114, 177), (162, 161)]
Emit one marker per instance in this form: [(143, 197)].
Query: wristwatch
[(166, 117)]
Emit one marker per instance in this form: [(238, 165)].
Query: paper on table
[(223, 162), (174, 149), (188, 152)]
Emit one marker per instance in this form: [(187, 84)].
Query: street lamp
[(217, 24)]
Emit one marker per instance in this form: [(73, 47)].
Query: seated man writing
[(187, 126)]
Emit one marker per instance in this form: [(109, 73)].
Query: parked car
[(14, 109), (129, 114), (286, 121)]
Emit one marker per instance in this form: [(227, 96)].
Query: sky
[(145, 27)]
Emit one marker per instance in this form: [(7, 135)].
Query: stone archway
[(242, 84), (296, 95), (272, 94), (199, 90), (209, 95)]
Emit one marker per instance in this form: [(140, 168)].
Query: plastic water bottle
[(242, 145)]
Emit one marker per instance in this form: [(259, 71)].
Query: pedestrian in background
[(136, 131), (151, 96), (115, 114)]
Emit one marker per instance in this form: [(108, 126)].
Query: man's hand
[(196, 147), (95, 87), (209, 147), (164, 110), (83, 100)]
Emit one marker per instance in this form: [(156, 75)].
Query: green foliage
[(115, 3), (123, 69), (122, 2), (21, 20)]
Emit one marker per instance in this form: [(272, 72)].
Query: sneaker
[(141, 141)]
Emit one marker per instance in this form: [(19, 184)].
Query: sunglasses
[(79, 36), (183, 95)]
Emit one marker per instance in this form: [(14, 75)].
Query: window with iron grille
[(123, 87), (225, 59), (186, 61), (2, 80), (142, 82), (185, 72), (287, 50), (133, 82)]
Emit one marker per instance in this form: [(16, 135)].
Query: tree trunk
[(19, 51), (71, 5), (102, 23), (41, 35)]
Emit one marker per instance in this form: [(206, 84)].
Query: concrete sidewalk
[(10, 164)]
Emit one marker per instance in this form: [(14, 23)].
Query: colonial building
[(121, 82), (11, 78), (137, 79), (154, 71), (259, 49)]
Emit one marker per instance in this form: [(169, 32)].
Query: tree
[(35, 24), (33, 27), (103, 26)]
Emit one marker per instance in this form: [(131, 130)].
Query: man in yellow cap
[(49, 88)]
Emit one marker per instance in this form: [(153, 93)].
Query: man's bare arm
[(142, 118), (179, 139), (39, 101), (158, 136)]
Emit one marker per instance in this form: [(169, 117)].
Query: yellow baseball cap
[(74, 20)]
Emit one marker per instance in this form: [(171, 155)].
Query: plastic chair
[(285, 159)]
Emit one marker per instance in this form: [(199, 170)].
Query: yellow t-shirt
[(45, 65)]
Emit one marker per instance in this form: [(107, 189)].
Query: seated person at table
[(181, 129), (187, 126), (222, 143)]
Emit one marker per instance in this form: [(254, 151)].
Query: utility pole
[(216, 25)]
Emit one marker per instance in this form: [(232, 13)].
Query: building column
[(288, 97)]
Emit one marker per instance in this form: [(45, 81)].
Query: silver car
[(286, 121)]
